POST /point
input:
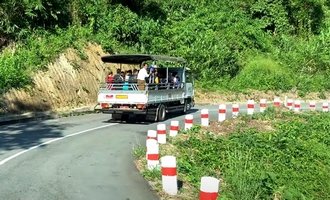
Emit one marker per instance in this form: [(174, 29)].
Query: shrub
[(263, 73)]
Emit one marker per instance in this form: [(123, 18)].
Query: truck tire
[(152, 115), (185, 106), (117, 117), (161, 113)]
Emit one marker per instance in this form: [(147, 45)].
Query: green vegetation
[(275, 155), (227, 42)]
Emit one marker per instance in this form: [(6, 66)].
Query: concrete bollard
[(312, 105), (263, 105), (222, 112), (152, 154), (169, 175), (174, 128), (152, 134), (204, 117), (297, 106), (250, 107), (188, 122), (209, 188), (235, 110), (161, 133), (289, 104), (277, 102), (325, 107)]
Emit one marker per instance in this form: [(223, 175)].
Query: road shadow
[(142, 121), (26, 135)]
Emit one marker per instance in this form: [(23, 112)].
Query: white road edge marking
[(4, 161)]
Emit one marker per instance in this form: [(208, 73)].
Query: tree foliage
[(219, 38)]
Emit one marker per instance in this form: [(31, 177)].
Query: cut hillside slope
[(70, 81)]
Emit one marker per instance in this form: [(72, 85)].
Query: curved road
[(81, 157)]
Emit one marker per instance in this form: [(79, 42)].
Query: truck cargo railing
[(134, 86)]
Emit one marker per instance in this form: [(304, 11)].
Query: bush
[(263, 73)]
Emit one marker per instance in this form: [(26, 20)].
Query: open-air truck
[(124, 99)]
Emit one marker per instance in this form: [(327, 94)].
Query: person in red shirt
[(109, 78)]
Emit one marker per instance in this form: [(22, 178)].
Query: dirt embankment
[(71, 81)]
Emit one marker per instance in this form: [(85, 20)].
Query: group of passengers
[(143, 76), (121, 76)]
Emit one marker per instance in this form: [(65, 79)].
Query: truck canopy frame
[(139, 58)]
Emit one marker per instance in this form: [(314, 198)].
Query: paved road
[(81, 157), (95, 163)]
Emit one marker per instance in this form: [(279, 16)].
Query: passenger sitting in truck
[(156, 77), (133, 78), (176, 81), (151, 78), (128, 75), (109, 78), (118, 78)]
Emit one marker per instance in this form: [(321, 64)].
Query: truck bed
[(116, 95)]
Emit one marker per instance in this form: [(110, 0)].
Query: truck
[(172, 92)]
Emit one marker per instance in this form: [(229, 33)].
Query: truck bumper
[(121, 111)]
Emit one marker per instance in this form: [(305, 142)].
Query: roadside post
[(312, 105), (169, 175), (250, 107), (205, 117), (277, 102), (325, 107), (161, 133), (188, 122), (222, 112), (152, 154), (297, 106), (263, 105), (174, 128), (289, 104), (235, 110), (209, 188)]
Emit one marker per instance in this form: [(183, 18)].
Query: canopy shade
[(138, 58)]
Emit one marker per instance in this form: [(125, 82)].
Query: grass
[(290, 160)]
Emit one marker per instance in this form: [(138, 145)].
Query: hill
[(231, 45)]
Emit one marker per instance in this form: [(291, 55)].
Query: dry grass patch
[(239, 125)]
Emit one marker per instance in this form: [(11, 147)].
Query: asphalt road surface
[(81, 157)]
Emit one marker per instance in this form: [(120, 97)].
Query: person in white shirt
[(141, 77)]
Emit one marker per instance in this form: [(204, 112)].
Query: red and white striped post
[(152, 154), (325, 107), (169, 175), (174, 128), (152, 134), (277, 102), (222, 112), (250, 107), (312, 105), (209, 188), (263, 105), (161, 133), (204, 117), (289, 104), (297, 106), (235, 110), (188, 122)]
